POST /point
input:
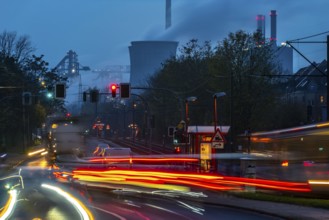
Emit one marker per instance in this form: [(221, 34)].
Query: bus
[(302, 143)]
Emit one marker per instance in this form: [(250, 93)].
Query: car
[(100, 150)]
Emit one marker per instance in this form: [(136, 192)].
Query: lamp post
[(187, 100), (216, 95), (187, 119), (133, 127)]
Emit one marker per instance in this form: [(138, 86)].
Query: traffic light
[(113, 88), (180, 134), (50, 92), (179, 137), (27, 98), (177, 150), (49, 95), (60, 90), (124, 90), (171, 131), (94, 94)]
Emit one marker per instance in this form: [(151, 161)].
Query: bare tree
[(13, 46)]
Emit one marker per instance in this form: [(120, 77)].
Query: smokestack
[(273, 26), (168, 13), (261, 27)]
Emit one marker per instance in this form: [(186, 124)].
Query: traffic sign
[(218, 137), (217, 145), (218, 140)]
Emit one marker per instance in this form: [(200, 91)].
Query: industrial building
[(283, 53)]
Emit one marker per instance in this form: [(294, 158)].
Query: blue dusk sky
[(100, 31)]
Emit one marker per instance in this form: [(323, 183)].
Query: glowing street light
[(217, 95), (49, 95), (187, 100)]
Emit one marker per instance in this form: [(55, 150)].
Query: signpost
[(218, 140)]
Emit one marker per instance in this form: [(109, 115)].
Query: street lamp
[(216, 95), (187, 100), (187, 120)]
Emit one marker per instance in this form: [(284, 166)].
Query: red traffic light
[(177, 150), (113, 90)]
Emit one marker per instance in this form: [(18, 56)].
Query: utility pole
[(324, 74)]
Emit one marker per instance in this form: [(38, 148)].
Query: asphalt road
[(36, 201), (141, 206)]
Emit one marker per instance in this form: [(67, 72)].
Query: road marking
[(108, 212)]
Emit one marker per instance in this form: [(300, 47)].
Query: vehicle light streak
[(136, 183), (178, 193), (322, 125), (36, 152), (160, 180), (9, 206), (78, 205), (151, 160), (318, 182), (44, 153), (146, 173), (15, 176)]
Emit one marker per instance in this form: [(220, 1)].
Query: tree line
[(22, 71), (241, 67)]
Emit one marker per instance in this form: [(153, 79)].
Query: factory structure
[(147, 57), (283, 53), (307, 88)]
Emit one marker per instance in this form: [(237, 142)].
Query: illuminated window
[(321, 99)]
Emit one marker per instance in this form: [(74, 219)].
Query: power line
[(303, 38)]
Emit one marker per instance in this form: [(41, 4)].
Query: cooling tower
[(146, 58)]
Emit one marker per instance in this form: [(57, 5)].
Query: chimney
[(273, 38), (168, 13), (261, 27)]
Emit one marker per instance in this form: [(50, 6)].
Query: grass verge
[(290, 199)]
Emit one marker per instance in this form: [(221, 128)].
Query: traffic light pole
[(147, 127)]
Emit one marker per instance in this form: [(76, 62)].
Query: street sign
[(218, 140), (218, 137), (217, 145)]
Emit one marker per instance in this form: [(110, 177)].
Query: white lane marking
[(108, 212)]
